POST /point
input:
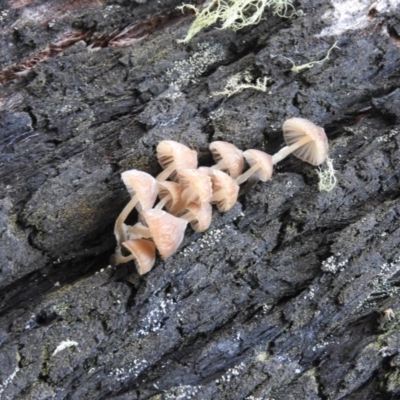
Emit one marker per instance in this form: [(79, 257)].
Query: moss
[(40, 216), (13, 223), (45, 369), (134, 163), (83, 216), (156, 397)]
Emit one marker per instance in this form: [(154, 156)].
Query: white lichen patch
[(386, 138), (131, 372), (262, 357), (381, 288), (231, 373), (208, 241), (266, 308), (30, 323), (322, 345), (181, 392), (352, 15), (3, 15), (186, 71), (332, 265), (65, 345), (310, 294), (152, 322), (8, 380), (218, 113)]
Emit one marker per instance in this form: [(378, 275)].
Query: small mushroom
[(305, 140), (142, 251), (143, 189), (173, 156), (199, 216), (196, 186), (166, 230), (225, 189), (228, 157), (261, 166), (170, 196)]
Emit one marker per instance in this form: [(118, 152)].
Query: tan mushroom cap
[(261, 166), (196, 186), (225, 190), (170, 196), (166, 230), (173, 156), (198, 216), (142, 185), (305, 140), (228, 157), (144, 252)]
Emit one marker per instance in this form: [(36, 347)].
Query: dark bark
[(284, 297)]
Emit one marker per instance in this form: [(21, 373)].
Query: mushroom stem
[(173, 208), (164, 175), (246, 175), (118, 228), (139, 231), (220, 165), (188, 216), (161, 204), (285, 151), (118, 258)]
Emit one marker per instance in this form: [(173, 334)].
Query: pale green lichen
[(327, 178), (242, 81), (298, 68), (236, 14)]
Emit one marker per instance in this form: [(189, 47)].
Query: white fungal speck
[(152, 321), (181, 392), (331, 265), (64, 345), (130, 372)]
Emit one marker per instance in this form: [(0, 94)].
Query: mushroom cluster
[(188, 195)]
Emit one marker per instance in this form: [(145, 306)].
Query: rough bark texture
[(286, 296)]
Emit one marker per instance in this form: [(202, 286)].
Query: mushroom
[(166, 230), (173, 156), (143, 189), (199, 216), (170, 196), (305, 140), (142, 251), (261, 166), (225, 189), (196, 186), (228, 157)]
